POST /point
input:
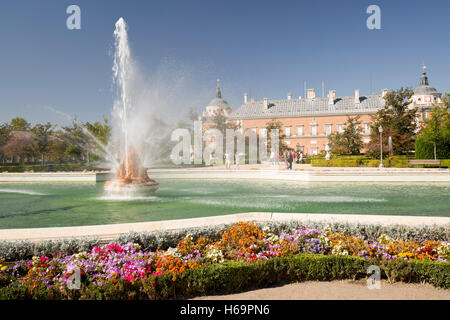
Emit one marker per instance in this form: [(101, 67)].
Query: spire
[(218, 93), (424, 78)]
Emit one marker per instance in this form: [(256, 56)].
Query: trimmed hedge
[(363, 161), (232, 277), (50, 167)]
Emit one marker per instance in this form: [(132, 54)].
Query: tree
[(101, 134), (101, 131), (76, 139), (349, 141), (20, 124), (20, 145), (435, 132), (397, 120), (275, 125), (59, 146), (5, 134), (41, 139)]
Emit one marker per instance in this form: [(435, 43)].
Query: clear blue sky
[(267, 48)]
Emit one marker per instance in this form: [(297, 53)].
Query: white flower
[(174, 252), (189, 236), (214, 254), (443, 251), (385, 239)]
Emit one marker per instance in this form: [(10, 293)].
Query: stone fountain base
[(120, 187), (131, 178)]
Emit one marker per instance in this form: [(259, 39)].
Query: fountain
[(131, 177)]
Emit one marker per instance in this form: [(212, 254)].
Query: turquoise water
[(28, 205)]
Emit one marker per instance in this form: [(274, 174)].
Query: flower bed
[(126, 271)]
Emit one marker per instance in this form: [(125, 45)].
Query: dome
[(217, 104), (425, 88)]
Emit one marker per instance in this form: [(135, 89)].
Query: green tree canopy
[(398, 120), (434, 138), (101, 131), (20, 124), (41, 139), (348, 142)]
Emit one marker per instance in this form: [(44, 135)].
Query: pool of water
[(30, 205)]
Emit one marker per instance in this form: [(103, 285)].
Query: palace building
[(307, 122)]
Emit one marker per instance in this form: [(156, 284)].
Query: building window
[(299, 147), (287, 131), (314, 151), (366, 128), (327, 129), (424, 115), (314, 129), (299, 131), (341, 128)]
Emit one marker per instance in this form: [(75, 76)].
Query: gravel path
[(340, 290)]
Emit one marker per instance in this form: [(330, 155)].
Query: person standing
[(227, 161), (236, 158), (277, 159), (290, 160), (272, 158)]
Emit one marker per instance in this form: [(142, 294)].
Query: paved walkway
[(109, 231), (306, 173), (340, 290)]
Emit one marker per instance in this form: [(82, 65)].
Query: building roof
[(294, 108)]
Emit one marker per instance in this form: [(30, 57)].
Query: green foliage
[(349, 141), (41, 139), (397, 120), (5, 134), (434, 139), (50, 167), (101, 131), (232, 277), (433, 272), (20, 124)]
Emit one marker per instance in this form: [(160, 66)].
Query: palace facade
[(307, 122)]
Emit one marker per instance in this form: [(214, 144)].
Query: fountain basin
[(121, 188)]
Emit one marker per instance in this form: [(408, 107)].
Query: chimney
[(331, 96), (357, 96), (384, 92), (245, 97), (266, 103), (311, 94), (289, 96)]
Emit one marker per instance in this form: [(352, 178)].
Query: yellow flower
[(2, 268)]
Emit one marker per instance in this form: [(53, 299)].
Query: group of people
[(289, 157)]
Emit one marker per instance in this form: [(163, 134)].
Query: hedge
[(50, 168), (232, 277), (152, 241), (362, 161)]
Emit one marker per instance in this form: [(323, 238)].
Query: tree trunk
[(42, 159)]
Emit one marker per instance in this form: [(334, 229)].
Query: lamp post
[(380, 129)]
